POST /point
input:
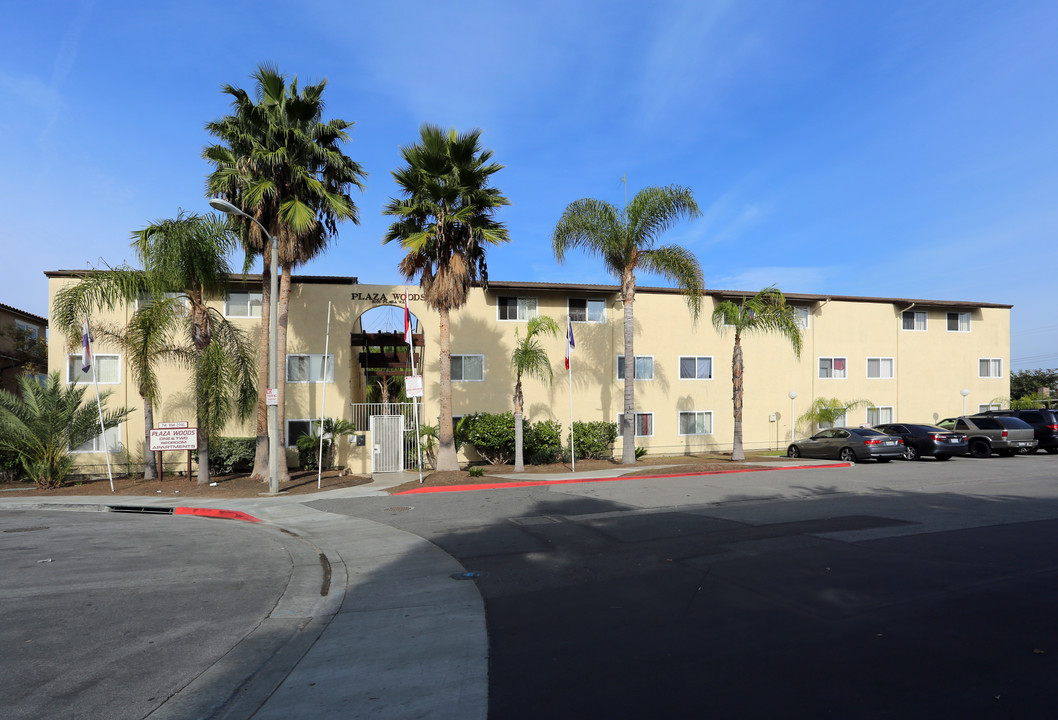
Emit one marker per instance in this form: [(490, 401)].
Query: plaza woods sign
[(392, 298), (167, 439)]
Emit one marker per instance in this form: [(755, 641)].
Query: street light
[(793, 396), (964, 392), (273, 345)]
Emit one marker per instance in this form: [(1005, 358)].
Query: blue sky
[(896, 149)]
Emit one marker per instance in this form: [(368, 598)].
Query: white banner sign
[(173, 424), (166, 439), (413, 386)]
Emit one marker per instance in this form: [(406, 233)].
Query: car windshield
[(865, 431)]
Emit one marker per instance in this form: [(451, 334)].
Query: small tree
[(529, 358), (48, 421), (827, 411)]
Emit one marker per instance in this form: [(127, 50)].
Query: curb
[(537, 483)]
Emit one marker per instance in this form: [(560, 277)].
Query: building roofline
[(238, 278), (23, 313), (733, 294)]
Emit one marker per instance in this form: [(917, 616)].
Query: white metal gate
[(387, 440)]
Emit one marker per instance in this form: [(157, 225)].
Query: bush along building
[(913, 360)]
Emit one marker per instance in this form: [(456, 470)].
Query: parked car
[(923, 440), (1043, 422), (848, 445), (1002, 435)]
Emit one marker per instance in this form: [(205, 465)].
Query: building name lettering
[(387, 297)]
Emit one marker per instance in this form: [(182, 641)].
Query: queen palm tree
[(184, 266), (626, 240), (529, 358), (765, 312), (277, 160), (445, 223)]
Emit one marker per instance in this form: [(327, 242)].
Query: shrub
[(640, 452), (476, 471), (229, 455), (594, 440), (542, 442), (492, 435), (10, 467)]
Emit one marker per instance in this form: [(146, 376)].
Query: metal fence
[(361, 418)]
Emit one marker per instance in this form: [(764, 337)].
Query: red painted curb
[(536, 483), (212, 512)]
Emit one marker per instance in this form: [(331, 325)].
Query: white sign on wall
[(166, 439)]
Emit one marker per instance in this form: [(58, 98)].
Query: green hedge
[(594, 440), (229, 455), (492, 435)]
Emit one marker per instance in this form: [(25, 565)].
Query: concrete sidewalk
[(374, 621)]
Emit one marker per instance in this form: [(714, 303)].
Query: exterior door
[(387, 443)]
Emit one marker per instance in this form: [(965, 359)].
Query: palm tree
[(445, 223), (184, 266), (277, 160), (46, 422), (625, 240), (765, 312), (827, 411), (529, 359)]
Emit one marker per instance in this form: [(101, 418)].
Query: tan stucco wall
[(931, 367)]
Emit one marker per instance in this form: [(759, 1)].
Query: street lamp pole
[(964, 392), (793, 397), (273, 345)]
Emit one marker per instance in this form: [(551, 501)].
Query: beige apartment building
[(914, 360)]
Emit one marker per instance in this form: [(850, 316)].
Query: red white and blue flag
[(86, 343), (569, 343), (407, 321)]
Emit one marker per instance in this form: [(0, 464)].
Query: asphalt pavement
[(600, 598)]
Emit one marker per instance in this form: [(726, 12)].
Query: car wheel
[(980, 449), (793, 451), (943, 457), (847, 455), (911, 453)]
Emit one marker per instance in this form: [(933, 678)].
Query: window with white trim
[(243, 304), (644, 424), (879, 415), (29, 332), (305, 368), (958, 322), (587, 310), (801, 315), (468, 368), (299, 428), (989, 406), (144, 299), (833, 368), (696, 367), (644, 369), (914, 320), (696, 422), (990, 367), (108, 369), (95, 445), (879, 368), (839, 421), (516, 308)]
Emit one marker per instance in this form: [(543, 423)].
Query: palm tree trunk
[(446, 446), (281, 370), (150, 464), (519, 406), (737, 453), (260, 459), (628, 428), (203, 456)]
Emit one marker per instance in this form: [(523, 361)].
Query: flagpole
[(99, 404), (569, 358), (323, 402), (409, 337)]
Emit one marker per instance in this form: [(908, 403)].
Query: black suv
[(1044, 423)]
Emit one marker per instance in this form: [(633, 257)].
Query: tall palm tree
[(765, 312), (46, 422), (184, 266), (445, 223), (529, 358), (277, 160), (626, 240)]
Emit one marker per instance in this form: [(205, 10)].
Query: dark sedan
[(848, 445), (923, 440)]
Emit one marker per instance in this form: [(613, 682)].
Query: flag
[(407, 321), (86, 343), (569, 343)]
